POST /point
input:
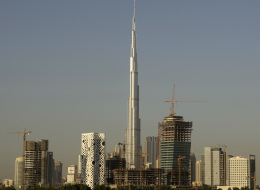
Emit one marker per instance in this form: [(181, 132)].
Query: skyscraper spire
[(132, 135)]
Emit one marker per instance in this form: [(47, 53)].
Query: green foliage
[(8, 188), (74, 187), (102, 187), (235, 188), (148, 188), (37, 187), (229, 188), (205, 187), (244, 188), (132, 187), (219, 189)]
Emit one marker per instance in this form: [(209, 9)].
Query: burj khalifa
[(133, 130)]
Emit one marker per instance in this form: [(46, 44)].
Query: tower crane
[(173, 101), (24, 140), (179, 163), (254, 177)]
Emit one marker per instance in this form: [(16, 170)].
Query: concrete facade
[(212, 166), (93, 151)]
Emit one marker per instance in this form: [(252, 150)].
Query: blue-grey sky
[(64, 70)]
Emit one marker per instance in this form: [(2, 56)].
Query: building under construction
[(174, 149), (36, 163), (138, 177), (111, 165)]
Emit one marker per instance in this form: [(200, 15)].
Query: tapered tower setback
[(132, 135)]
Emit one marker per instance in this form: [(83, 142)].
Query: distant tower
[(18, 172), (198, 172), (93, 159), (151, 150), (118, 149), (192, 167), (58, 174), (50, 168), (79, 166), (133, 130), (212, 166)]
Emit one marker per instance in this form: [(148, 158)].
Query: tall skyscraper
[(18, 172), (213, 166), (174, 142), (151, 151), (241, 171), (133, 130), (93, 151)]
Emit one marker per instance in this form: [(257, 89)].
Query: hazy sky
[(64, 70)]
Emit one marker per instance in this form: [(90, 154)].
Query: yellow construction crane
[(179, 163), (172, 101), (225, 164), (247, 177), (24, 140)]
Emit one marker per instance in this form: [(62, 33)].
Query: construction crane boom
[(24, 140), (173, 101)]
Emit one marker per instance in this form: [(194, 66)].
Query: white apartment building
[(93, 151), (72, 174), (241, 171)]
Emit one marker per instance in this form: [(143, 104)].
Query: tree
[(74, 187)]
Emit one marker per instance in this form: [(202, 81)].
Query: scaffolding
[(151, 176), (174, 139)]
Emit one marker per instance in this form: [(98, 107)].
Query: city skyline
[(64, 71)]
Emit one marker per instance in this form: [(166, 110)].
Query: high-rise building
[(133, 130), (198, 172), (241, 171), (36, 163), (79, 166), (192, 167), (72, 174), (58, 174), (18, 172), (50, 169), (118, 150), (213, 166), (93, 151), (151, 151), (174, 143)]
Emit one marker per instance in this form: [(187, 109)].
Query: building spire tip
[(134, 8)]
